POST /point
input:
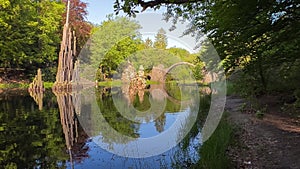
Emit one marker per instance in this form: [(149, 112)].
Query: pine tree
[(161, 40)]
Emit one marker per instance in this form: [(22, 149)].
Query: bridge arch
[(175, 65), (178, 64)]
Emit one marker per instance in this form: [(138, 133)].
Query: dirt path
[(269, 143)]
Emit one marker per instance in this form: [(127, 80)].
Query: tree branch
[(151, 4)]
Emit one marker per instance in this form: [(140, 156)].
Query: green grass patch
[(115, 83), (13, 85), (48, 85), (213, 151)]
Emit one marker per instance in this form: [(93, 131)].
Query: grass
[(110, 83), (47, 85), (213, 151), (14, 85)]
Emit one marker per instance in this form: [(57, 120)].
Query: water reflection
[(55, 137), (37, 97), (29, 137), (130, 123), (69, 104)]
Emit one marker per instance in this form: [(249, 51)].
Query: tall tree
[(148, 43), (77, 21), (161, 40)]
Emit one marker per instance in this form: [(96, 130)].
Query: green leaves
[(30, 33), (161, 40), (255, 36), (30, 138), (112, 42)]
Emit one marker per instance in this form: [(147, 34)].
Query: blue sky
[(98, 9)]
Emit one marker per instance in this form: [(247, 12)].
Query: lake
[(104, 127)]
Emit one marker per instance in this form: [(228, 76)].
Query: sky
[(98, 9), (150, 21)]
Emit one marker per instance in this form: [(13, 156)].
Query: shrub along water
[(213, 151)]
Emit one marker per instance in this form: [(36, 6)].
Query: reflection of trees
[(29, 138), (111, 115), (69, 107), (37, 97), (160, 123), (131, 91), (187, 153)]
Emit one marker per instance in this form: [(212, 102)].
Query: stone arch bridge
[(159, 73)]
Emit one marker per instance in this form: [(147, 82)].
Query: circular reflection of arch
[(167, 71)]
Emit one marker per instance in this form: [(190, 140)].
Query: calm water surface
[(65, 132)]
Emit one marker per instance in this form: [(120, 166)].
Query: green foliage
[(182, 54), (110, 83), (185, 71), (161, 40), (48, 85), (263, 49), (29, 32), (153, 57), (259, 38), (198, 71), (148, 43), (108, 34), (13, 85), (78, 23), (111, 54), (106, 104), (119, 53), (30, 138), (259, 114), (111, 43)]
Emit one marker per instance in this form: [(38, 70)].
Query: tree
[(148, 43), (183, 54), (129, 6), (153, 57), (160, 123), (119, 53), (77, 21), (257, 37), (29, 32), (115, 36), (161, 40)]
